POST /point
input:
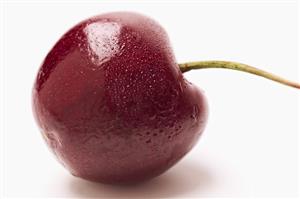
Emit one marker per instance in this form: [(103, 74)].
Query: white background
[(250, 146)]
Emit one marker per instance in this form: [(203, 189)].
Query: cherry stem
[(184, 67)]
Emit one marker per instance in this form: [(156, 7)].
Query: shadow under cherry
[(186, 177)]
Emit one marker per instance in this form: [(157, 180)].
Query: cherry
[(112, 103)]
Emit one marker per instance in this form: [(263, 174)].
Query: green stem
[(236, 66)]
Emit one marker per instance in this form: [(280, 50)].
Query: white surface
[(250, 145)]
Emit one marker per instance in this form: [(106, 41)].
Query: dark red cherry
[(112, 103)]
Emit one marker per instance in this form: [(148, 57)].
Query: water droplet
[(195, 112), (152, 117)]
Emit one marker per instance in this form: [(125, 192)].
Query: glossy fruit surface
[(112, 103)]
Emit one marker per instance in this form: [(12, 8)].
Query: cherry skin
[(112, 103)]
